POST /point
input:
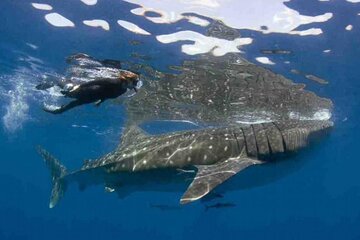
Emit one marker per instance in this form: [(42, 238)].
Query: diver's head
[(131, 79)]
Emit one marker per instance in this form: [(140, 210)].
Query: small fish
[(140, 56), (294, 71), (135, 42), (316, 79), (309, 76), (176, 68), (275, 51), (220, 205), (164, 207), (211, 196)]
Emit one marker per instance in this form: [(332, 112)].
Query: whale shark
[(223, 90), (208, 156)]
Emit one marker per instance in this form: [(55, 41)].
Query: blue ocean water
[(315, 196)]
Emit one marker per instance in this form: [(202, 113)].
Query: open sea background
[(316, 197)]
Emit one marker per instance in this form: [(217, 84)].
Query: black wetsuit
[(96, 89), (92, 91)]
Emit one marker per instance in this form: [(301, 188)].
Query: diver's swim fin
[(49, 81), (53, 109), (57, 110), (44, 85), (58, 171)]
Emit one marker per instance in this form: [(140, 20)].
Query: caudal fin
[(58, 171)]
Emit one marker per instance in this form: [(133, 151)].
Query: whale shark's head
[(297, 134), (226, 91)]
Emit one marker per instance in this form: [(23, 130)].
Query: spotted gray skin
[(222, 90), (217, 153)]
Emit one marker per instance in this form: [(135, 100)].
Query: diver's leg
[(63, 108), (48, 81)]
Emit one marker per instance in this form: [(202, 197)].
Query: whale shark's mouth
[(323, 114)]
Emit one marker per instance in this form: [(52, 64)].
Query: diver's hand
[(75, 88)]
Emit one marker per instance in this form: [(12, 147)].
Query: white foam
[(132, 27), (327, 51), (312, 19), (203, 44), (58, 20), (311, 31), (16, 110), (349, 27), (97, 23), (89, 2), (276, 16), (353, 1), (264, 60), (42, 6), (18, 88), (197, 21)]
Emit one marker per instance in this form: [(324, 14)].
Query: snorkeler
[(91, 81)]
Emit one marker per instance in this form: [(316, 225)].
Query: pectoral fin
[(209, 176)]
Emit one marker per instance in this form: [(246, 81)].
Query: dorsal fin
[(131, 134)]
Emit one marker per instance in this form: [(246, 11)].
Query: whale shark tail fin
[(58, 171)]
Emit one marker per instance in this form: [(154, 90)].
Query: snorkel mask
[(132, 79)]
